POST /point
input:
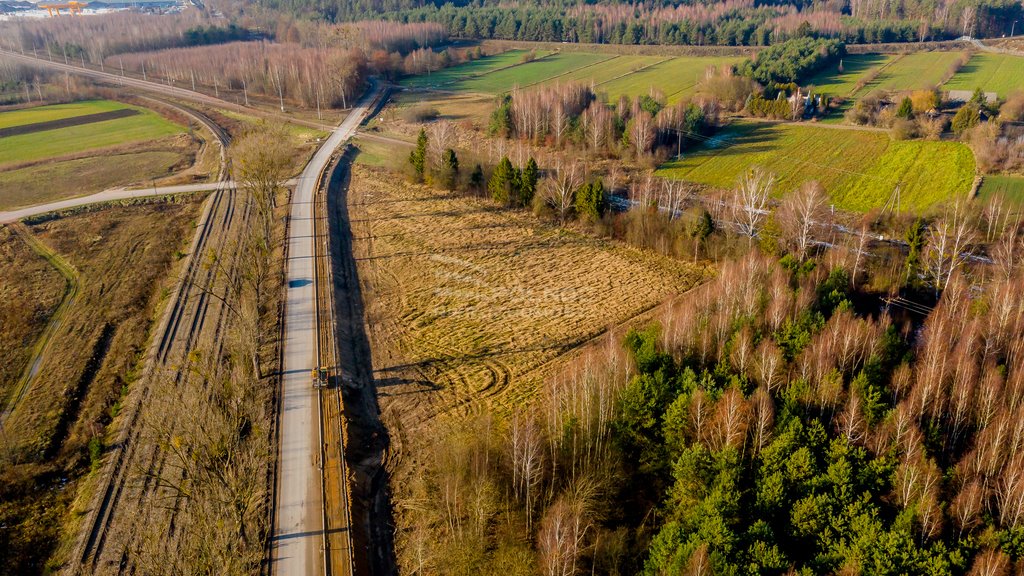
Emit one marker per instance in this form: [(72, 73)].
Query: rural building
[(965, 95)]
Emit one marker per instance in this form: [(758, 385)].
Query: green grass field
[(442, 78), (35, 184), (1009, 188), (608, 69), (999, 73), (916, 71), (675, 78), (529, 73), (74, 139), (855, 67), (858, 169), (57, 112)]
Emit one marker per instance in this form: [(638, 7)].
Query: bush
[(966, 118), (924, 100), (422, 113), (1013, 108), (903, 129)]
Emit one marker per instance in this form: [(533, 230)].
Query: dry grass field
[(123, 256), (30, 290), (468, 305)]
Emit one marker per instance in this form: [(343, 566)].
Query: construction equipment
[(320, 377), (73, 7)]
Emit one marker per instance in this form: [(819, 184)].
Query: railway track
[(187, 319), (334, 478)]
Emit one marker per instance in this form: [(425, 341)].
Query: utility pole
[(1012, 27), (144, 71), (193, 80), (318, 116)]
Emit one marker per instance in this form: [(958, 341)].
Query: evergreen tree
[(476, 179), (501, 118), (502, 182), (966, 118), (590, 201), (449, 169), (418, 157), (528, 183), (906, 109)]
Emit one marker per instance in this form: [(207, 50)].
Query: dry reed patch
[(469, 305)]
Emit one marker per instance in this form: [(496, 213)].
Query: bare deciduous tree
[(749, 204)]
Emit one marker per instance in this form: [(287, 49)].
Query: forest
[(818, 407), (726, 22)]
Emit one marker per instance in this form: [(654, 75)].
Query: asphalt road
[(298, 522), (115, 194)]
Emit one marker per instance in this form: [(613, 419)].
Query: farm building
[(965, 95)]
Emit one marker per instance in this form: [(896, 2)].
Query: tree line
[(726, 22), (287, 72), (574, 115)]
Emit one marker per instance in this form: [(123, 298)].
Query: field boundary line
[(881, 70), (631, 72), (499, 69), (42, 345), (584, 67), (550, 78)]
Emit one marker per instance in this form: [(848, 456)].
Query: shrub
[(966, 118), (903, 129), (421, 113), (924, 100), (1013, 108)]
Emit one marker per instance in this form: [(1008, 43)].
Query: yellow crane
[(73, 7)]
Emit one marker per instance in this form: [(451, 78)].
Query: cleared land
[(468, 304), (855, 66), (999, 73), (859, 169), (916, 71), (612, 75), (76, 139), (123, 256), (1009, 188)]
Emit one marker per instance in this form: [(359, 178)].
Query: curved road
[(298, 520)]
